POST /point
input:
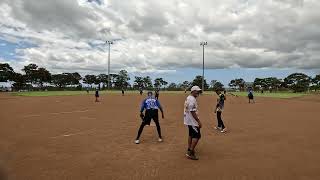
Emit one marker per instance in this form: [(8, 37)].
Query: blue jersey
[(150, 103)]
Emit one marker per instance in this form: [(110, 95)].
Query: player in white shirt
[(192, 120)]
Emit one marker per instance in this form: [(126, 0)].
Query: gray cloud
[(164, 35)]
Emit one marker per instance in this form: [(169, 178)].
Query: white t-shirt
[(190, 105)]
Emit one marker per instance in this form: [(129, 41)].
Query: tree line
[(35, 77)]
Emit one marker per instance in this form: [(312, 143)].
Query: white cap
[(195, 88)]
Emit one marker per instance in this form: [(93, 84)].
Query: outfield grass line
[(282, 95), (114, 92)]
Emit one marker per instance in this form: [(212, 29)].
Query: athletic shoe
[(137, 141), (191, 155), (224, 130), (218, 128), (160, 140)]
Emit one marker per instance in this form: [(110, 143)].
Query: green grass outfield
[(74, 93), (273, 95)]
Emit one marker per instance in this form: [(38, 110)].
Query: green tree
[(37, 75), (90, 79), (172, 87), (103, 78), (138, 82), (316, 82), (20, 81), (6, 72), (42, 76), (185, 85), (198, 82), (240, 83), (158, 82), (76, 78), (218, 86), (147, 82), (298, 82), (122, 79), (212, 83)]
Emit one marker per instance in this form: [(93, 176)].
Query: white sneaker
[(224, 130), (137, 141), (217, 128), (160, 140)]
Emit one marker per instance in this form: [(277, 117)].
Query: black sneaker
[(191, 155)]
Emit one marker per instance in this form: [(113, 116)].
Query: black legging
[(143, 124), (220, 122)]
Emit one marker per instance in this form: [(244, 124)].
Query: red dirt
[(272, 139)]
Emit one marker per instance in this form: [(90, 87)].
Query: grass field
[(74, 93), (273, 95)]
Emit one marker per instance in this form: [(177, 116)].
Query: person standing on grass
[(122, 91), (250, 96), (218, 110), (97, 95), (192, 121), (87, 90), (151, 106)]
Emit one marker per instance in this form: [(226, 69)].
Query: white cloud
[(161, 36)]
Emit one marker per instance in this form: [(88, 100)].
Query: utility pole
[(109, 46), (204, 43)]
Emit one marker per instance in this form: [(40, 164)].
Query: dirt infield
[(71, 137)]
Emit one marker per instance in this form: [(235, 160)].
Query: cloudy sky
[(246, 38)]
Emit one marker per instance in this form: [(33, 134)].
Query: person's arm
[(142, 108), (160, 107), (195, 116)]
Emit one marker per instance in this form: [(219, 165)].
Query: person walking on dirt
[(141, 91), (151, 106), (97, 95), (250, 96), (192, 121), (218, 110)]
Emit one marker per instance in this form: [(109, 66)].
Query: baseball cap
[(195, 88)]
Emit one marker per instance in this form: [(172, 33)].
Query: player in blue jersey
[(150, 105)]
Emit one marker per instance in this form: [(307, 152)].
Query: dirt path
[(74, 138)]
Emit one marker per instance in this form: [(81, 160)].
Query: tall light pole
[(109, 46), (204, 43)]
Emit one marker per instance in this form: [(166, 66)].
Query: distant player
[(218, 110), (157, 93), (192, 121), (151, 106), (87, 90), (250, 96), (122, 91), (141, 91), (97, 95)]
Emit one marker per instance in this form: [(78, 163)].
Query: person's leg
[(158, 127), (189, 143), (219, 124), (220, 119), (140, 130), (194, 143)]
